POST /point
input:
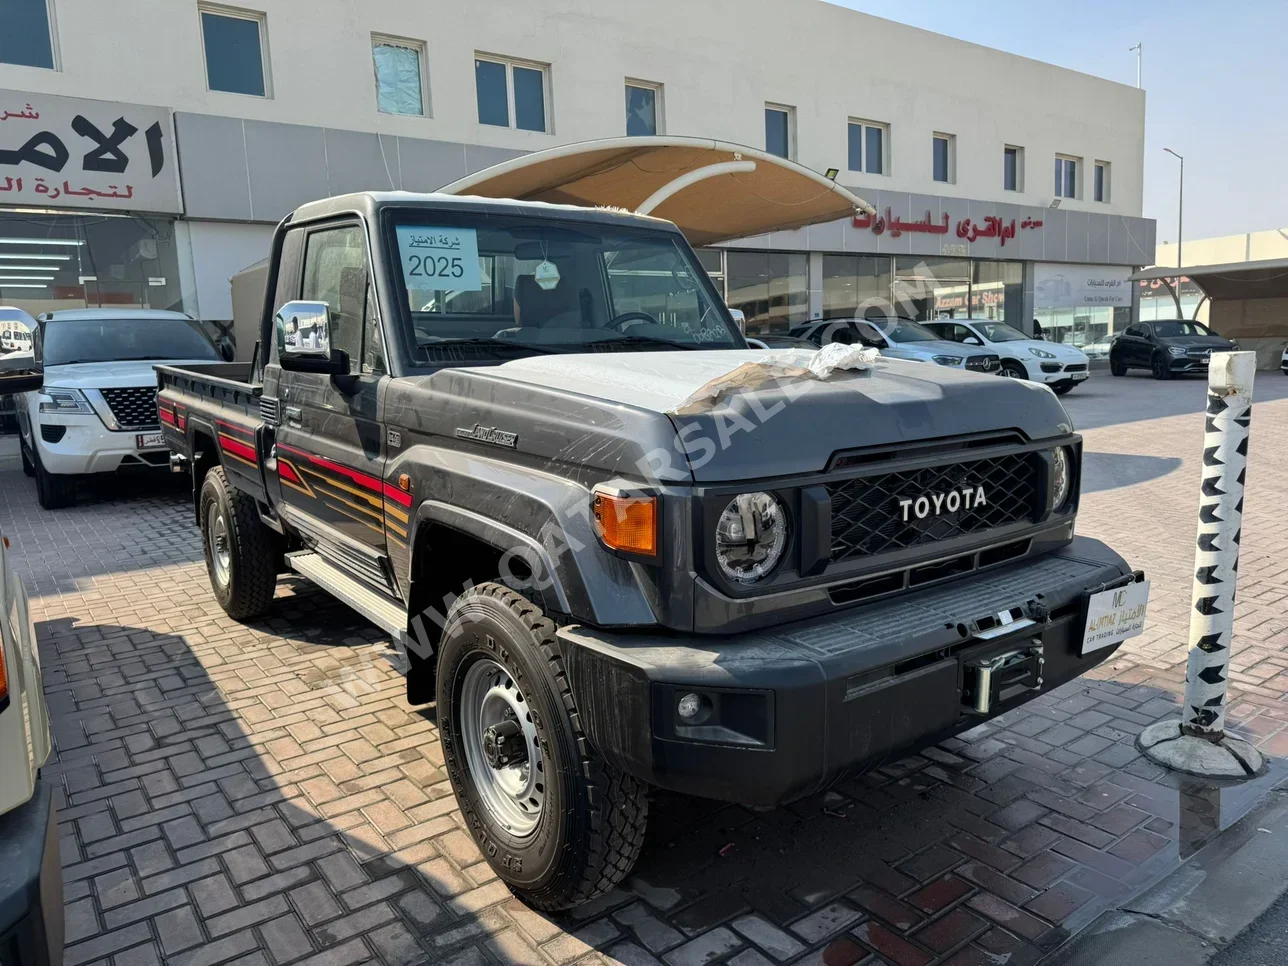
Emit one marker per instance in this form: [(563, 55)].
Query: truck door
[(330, 444)]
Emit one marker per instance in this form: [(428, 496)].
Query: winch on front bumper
[(771, 716)]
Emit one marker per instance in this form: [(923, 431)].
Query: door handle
[(294, 416)]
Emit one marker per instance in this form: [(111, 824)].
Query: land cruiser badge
[(934, 504), (488, 434)]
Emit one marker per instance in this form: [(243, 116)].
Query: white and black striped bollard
[(1198, 744)]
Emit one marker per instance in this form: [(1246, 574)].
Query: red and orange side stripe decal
[(238, 444)]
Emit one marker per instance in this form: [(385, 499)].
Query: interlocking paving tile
[(260, 793)]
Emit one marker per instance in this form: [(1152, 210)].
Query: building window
[(779, 132), (771, 289), (26, 39), (643, 108), (1013, 168), (867, 146), (1102, 181), (856, 286), (1066, 177), (400, 75), (234, 45), (511, 93), (943, 157)]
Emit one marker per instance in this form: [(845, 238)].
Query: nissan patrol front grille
[(895, 511), (133, 408)]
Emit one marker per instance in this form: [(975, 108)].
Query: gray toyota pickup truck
[(620, 548)]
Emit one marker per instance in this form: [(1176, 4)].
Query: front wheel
[(27, 468), (1061, 388), (1161, 368), (53, 491), (556, 822), (1014, 370), (241, 552)]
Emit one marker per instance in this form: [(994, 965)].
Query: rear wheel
[(1117, 367), (241, 552), (53, 491), (1161, 368), (556, 822), (1014, 370)]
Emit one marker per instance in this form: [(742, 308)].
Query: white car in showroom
[(97, 411), (1061, 367)]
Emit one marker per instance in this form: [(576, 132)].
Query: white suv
[(97, 410)]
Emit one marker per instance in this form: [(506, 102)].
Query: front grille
[(868, 517), (983, 363), (1198, 353), (133, 408), (52, 434), (1076, 367)]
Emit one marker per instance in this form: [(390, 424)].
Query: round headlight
[(1062, 477), (750, 537)]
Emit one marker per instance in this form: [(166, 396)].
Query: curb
[(1196, 911)]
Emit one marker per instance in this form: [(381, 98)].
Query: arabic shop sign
[(67, 152), (1060, 286), (967, 230)]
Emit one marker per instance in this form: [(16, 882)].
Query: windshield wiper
[(490, 344), (644, 340)]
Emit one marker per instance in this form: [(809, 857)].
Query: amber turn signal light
[(626, 523)]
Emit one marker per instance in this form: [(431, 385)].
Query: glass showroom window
[(867, 146), (927, 288), (771, 288), (997, 292), (25, 39), (511, 94), (643, 109), (233, 41), (400, 76), (856, 286)]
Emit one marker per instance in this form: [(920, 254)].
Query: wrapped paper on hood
[(775, 367)]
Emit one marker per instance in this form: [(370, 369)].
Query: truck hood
[(111, 375), (779, 429)]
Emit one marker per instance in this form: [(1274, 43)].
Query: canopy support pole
[(692, 178)]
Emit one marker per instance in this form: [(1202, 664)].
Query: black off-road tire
[(253, 549), (1160, 367), (592, 822), (1062, 388), (53, 491), (1117, 367), (27, 468)]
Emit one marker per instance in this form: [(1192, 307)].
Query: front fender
[(540, 518)]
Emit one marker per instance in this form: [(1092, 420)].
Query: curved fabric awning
[(713, 190)]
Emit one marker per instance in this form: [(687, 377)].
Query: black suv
[(1165, 347)]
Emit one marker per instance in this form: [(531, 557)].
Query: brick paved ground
[(260, 794)]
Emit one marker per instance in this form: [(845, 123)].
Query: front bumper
[(31, 884), (795, 707), (87, 446), (1056, 373)]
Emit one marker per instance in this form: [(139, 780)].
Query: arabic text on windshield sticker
[(440, 258), (546, 275)]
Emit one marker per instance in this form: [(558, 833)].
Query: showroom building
[(145, 159)]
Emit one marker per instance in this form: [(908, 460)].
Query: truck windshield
[(71, 341), (523, 284)]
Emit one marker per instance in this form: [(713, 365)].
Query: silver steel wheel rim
[(512, 794), (221, 553), (1010, 372)]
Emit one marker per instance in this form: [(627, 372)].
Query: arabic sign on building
[(1076, 286), (68, 152), (990, 226)]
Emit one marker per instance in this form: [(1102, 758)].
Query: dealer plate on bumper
[(149, 440), (1114, 615)]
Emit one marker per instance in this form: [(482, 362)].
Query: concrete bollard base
[(1164, 743)]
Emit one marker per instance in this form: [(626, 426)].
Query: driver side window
[(335, 272)]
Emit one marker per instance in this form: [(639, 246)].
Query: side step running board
[(385, 612)]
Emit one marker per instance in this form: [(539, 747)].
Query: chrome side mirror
[(739, 319), (304, 333)]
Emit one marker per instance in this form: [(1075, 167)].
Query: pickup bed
[(620, 548)]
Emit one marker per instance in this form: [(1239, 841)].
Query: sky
[(1215, 79)]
